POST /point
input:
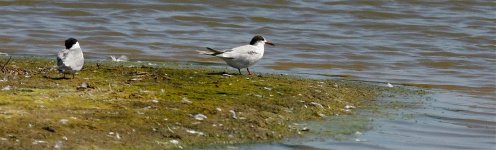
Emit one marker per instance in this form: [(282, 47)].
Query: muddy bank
[(160, 105)]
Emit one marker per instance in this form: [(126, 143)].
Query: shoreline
[(136, 105)]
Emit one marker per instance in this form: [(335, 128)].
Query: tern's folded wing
[(61, 56), (242, 50)]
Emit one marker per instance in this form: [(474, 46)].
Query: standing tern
[(243, 56), (71, 59)]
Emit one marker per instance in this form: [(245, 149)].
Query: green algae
[(151, 106)]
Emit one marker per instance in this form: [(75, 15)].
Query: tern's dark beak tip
[(270, 43)]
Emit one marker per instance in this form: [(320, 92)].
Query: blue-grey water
[(445, 46)]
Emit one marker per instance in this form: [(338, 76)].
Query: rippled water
[(448, 46)]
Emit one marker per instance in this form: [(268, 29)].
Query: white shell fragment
[(200, 117), (349, 107), (119, 59), (63, 121), (7, 88), (389, 85), (185, 100), (316, 104), (233, 113), (174, 141), (194, 132)]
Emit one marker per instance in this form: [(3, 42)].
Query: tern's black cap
[(69, 42), (255, 39)]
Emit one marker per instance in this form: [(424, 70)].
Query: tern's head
[(258, 38), (71, 43)]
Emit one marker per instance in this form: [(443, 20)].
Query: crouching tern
[(71, 59), (243, 56)]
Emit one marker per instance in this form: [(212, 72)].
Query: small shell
[(389, 85), (174, 141), (200, 117)]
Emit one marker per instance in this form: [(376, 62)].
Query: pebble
[(305, 129), (335, 85), (58, 145), (84, 85), (358, 133)]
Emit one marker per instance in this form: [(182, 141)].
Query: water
[(447, 46)]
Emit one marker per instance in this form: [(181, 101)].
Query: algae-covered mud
[(149, 105)]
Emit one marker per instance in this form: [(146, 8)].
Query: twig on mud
[(4, 65)]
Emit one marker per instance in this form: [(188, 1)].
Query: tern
[(243, 56), (71, 59)]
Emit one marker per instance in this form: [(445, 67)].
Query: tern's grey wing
[(59, 61), (228, 50), (61, 56), (242, 50)]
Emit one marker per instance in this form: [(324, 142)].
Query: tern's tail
[(211, 51)]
